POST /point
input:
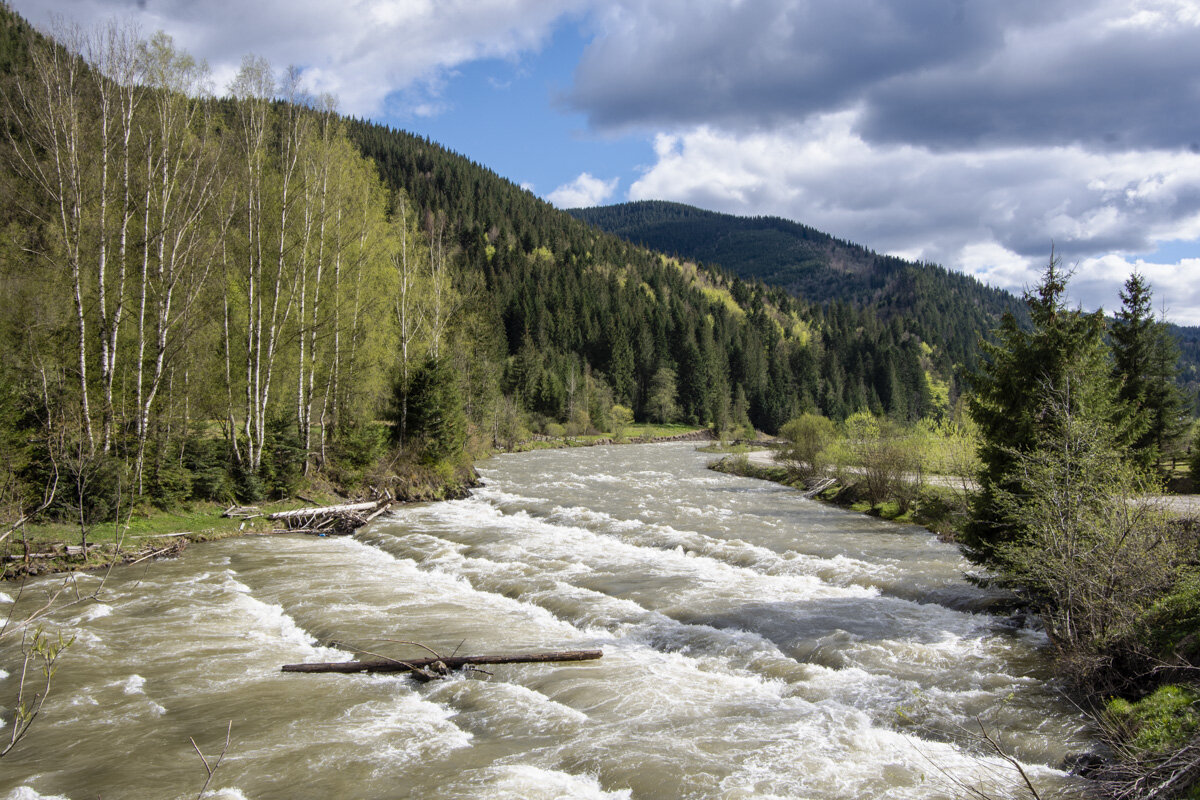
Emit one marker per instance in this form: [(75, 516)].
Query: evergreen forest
[(948, 310)]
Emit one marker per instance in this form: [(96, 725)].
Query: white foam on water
[(3, 674), (134, 684), (272, 626), (398, 730), (856, 759), (711, 577), (29, 793), (96, 611), (507, 708), (4, 598), (225, 793), (528, 782)]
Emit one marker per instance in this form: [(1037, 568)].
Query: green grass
[(648, 430), (202, 519), (1160, 722), (727, 448)]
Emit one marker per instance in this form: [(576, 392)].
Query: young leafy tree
[(662, 395), (1063, 356), (807, 435)]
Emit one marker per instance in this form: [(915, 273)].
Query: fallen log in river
[(443, 664), (338, 520)]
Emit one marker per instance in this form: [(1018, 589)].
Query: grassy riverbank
[(937, 508), (149, 532)]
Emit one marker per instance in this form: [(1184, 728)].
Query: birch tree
[(49, 134), (409, 306), (183, 183), (253, 88), (116, 77)]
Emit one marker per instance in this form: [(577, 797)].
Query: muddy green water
[(756, 645)]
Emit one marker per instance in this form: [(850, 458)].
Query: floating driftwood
[(433, 667), (339, 520)]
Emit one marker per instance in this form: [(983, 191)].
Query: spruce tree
[(1063, 357), (1145, 365), (435, 411)]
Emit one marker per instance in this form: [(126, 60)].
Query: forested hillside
[(229, 297), (945, 308)]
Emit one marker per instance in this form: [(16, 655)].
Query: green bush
[(1161, 722), (209, 461), (282, 467), (353, 450), (171, 484), (1171, 627)]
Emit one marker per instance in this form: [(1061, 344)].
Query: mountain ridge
[(949, 309)]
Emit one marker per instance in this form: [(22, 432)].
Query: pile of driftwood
[(340, 520), (336, 520)]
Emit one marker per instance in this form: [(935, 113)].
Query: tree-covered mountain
[(947, 309), (212, 297), (566, 290)]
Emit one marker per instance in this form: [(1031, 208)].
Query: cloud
[(364, 51), (1176, 286), (1113, 74), (993, 213), (582, 192)]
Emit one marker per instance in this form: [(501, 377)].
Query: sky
[(976, 134)]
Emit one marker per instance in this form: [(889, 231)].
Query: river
[(756, 645)]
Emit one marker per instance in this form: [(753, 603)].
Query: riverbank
[(45, 548), (939, 506)]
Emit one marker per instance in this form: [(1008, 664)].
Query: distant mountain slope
[(949, 310), (565, 287)]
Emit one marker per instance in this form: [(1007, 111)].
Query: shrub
[(808, 436)]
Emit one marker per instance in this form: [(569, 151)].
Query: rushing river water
[(756, 644)]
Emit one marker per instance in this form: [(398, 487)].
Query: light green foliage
[(949, 447), (40, 656), (877, 453), (620, 417), (663, 395), (1161, 722), (509, 424), (724, 298), (939, 391), (808, 436)]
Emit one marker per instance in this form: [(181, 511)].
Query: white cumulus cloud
[(582, 192), (991, 213), (362, 51)]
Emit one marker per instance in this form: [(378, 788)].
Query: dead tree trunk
[(449, 662)]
